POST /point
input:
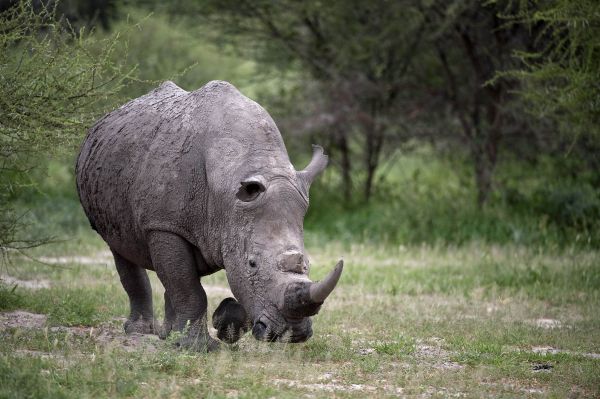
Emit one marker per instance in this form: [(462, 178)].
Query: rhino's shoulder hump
[(219, 87), (166, 92), (219, 93), (168, 85)]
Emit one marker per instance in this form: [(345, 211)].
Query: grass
[(416, 321)]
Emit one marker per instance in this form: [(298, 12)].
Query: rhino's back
[(124, 156)]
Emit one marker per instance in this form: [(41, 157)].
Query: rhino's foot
[(140, 326), (204, 343)]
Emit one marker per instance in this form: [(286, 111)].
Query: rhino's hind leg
[(174, 262), (137, 285)]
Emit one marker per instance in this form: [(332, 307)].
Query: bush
[(569, 206), (53, 83)]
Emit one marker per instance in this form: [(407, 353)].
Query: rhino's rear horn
[(303, 299), (317, 164)]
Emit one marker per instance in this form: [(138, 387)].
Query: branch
[(276, 33), (453, 91)]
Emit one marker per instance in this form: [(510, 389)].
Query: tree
[(375, 68), (560, 80), (79, 13), (357, 52), (472, 43), (53, 83)]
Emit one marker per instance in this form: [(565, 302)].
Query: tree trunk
[(484, 168), (345, 163), (485, 150), (374, 141), (369, 183)]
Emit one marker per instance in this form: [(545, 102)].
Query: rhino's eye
[(250, 190)]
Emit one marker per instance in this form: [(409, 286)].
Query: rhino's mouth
[(267, 329)]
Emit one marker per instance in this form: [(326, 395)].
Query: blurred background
[(446, 122)]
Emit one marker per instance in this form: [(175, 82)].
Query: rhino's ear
[(251, 188), (317, 164)]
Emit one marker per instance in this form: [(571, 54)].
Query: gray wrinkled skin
[(188, 183)]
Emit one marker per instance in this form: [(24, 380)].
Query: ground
[(470, 321)]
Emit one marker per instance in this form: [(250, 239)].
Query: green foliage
[(50, 206), (52, 80), (569, 206), (560, 80), (53, 83), (9, 298), (162, 48), (426, 198)]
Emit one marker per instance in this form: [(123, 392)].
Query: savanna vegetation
[(463, 191)]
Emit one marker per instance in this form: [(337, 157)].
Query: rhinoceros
[(189, 183)]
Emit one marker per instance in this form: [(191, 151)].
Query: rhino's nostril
[(252, 263), (263, 333)]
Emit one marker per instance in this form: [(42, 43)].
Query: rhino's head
[(268, 268)]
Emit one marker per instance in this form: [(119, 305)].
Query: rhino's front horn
[(320, 291), (303, 299)]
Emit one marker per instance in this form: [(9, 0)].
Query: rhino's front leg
[(169, 321), (173, 260)]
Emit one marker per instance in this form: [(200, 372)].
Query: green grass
[(64, 306), (399, 347), (417, 321)]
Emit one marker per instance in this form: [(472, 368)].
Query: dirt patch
[(63, 361), (513, 386), (112, 335), (325, 386), (129, 343), (99, 258), (430, 352), (547, 324), (433, 352), (22, 319), (549, 350), (29, 284), (30, 353), (441, 392), (106, 335), (365, 351)]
